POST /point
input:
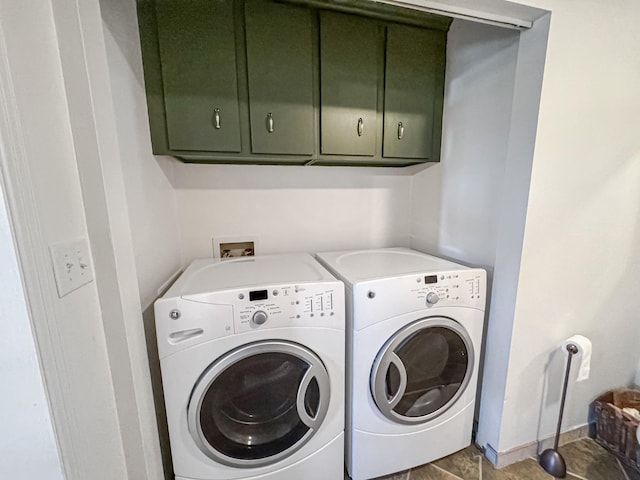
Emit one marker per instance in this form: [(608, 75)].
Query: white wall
[(27, 443), (44, 175), (292, 209), (455, 204), (150, 195), (580, 260)]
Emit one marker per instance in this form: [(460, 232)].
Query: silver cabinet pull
[(269, 123), (216, 119), (360, 127), (400, 130)]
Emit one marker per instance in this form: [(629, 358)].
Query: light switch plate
[(71, 265)]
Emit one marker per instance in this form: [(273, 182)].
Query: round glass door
[(422, 370), (259, 403)]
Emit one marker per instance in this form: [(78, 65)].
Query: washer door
[(258, 403), (422, 370)]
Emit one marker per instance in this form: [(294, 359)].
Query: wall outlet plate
[(71, 265), (235, 246)]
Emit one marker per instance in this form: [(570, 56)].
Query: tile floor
[(585, 459)]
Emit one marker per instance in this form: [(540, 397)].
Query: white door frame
[(93, 122), (83, 57), (21, 208)]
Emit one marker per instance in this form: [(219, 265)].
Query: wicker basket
[(615, 430)]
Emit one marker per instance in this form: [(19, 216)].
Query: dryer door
[(422, 370), (259, 403)]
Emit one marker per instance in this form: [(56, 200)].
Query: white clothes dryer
[(252, 360), (414, 333)]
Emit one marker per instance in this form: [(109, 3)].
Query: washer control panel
[(317, 304), (286, 305)]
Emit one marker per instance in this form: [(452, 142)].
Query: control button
[(418, 279), (432, 298), (259, 317), (275, 293), (241, 296)]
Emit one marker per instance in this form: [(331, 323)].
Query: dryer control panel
[(376, 300), (451, 288)]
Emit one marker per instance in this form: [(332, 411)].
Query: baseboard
[(531, 450)]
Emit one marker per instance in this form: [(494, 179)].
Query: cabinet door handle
[(269, 123), (360, 127), (400, 130), (216, 119)]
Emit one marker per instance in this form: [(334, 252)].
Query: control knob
[(432, 298), (259, 318)]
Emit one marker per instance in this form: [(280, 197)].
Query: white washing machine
[(252, 360), (414, 331)]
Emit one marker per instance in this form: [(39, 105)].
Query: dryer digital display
[(431, 279)]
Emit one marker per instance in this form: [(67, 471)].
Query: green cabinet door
[(349, 54), (280, 77), (414, 89), (198, 57)]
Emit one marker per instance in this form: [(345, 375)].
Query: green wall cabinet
[(280, 74), (264, 82), (197, 48), (413, 92), (349, 65)]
